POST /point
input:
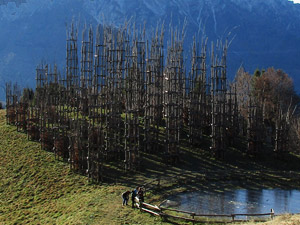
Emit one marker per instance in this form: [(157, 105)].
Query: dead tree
[(21, 110), (173, 97), (78, 139), (283, 130), (197, 93), (62, 120), (232, 115), (86, 69), (134, 93), (255, 128), (34, 128), (12, 97), (153, 93), (97, 111), (41, 93), (113, 96), (33, 115), (72, 78), (218, 90)]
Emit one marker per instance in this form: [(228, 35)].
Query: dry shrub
[(61, 144), (11, 115), (47, 140), (33, 131)]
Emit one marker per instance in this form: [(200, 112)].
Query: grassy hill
[(37, 189)]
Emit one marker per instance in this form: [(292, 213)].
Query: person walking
[(125, 197)]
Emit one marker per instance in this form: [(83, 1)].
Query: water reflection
[(237, 201)]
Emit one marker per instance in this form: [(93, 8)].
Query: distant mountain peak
[(267, 31)]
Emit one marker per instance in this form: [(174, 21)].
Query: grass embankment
[(35, 188)]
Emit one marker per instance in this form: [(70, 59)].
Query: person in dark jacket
[(125, 197), (141, 195), (133, 195)]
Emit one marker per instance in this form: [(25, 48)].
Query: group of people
[(138, 192)]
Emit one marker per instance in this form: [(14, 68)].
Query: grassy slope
[(36, 188), (281, 220)]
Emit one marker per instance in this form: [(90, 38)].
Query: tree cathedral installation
[(124, 94)]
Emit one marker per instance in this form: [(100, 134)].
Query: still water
[(237, 201)]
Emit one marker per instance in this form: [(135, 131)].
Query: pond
[(237, 201)]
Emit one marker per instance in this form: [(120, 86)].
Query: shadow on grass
[(198, 169)]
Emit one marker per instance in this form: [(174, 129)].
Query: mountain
[(263, 33)]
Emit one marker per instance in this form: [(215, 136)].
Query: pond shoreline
[(236, 201), (197, 181)]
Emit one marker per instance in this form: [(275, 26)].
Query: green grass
[(37, 189)]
